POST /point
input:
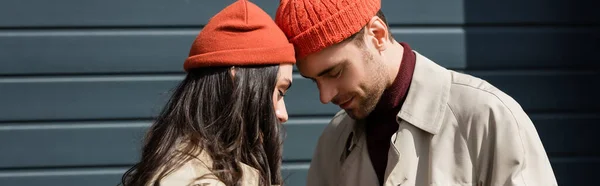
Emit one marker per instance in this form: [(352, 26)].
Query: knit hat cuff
[(335, 28), (250, 56)]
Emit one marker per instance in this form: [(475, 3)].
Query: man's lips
[(346, 104)]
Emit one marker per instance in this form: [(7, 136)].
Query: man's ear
[(379, 32)]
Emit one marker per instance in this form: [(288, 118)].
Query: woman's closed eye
[(281, 94)]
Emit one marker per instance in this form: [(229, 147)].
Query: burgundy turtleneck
[(381, 122)]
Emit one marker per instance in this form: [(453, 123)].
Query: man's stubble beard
[(373, 88)]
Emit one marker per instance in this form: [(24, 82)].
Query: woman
[(222, 123)]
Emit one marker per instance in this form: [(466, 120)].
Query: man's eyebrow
[(326, 71)]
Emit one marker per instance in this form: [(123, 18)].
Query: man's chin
[(354, 114)]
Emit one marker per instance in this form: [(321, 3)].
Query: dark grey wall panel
[(94, 51), (532, 47), (302, 137), (445, 46), (107, 13), (66, 177), (568, 134), (158, 50), (76, 144), (71, 144), (83, 97), (296, 176), (576, 170), (117, 97), (70, 13), (547, 90), (113, 143), (423, 11), (531, 12)]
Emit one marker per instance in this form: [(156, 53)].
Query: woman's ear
[(232, 71)]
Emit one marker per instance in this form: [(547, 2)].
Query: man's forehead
[(312, 64), (311, 67), (303, 68)]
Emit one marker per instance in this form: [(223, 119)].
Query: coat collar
[(424, 106), (427, 96)]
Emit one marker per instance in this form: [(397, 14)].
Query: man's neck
[(382, 120), (393, 59)]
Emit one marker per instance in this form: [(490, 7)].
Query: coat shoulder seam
[(512, 116)]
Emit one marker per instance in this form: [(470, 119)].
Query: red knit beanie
[(312, 25), (241, 34)]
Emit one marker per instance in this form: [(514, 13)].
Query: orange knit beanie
[(241, 34), (312, 25)]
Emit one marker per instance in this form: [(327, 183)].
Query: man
[(405, 119)]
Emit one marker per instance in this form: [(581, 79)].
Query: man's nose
[(326, 93)]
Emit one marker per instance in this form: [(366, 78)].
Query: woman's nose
[(281, 114)]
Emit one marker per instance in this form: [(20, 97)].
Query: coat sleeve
[(319, 168), (514, 151), (325, 163)]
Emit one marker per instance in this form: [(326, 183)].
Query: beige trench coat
[(454, 129), (187, 174)]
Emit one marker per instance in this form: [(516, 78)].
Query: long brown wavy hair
[(231, 119)]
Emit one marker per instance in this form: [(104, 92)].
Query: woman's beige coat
[(188, 174)]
